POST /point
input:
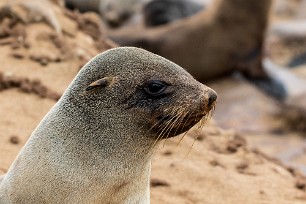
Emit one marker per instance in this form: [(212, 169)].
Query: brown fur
[(212, 43)]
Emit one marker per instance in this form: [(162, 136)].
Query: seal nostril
[(212, 98)]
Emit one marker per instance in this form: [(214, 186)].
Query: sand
[(212, 165)]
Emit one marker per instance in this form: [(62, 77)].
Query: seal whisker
[(183, 114), (182, 127), (169, 119), (176, 117), (202, 122), (157, 124), (192, 142), (166, 126), (168, 123), (191, 146), (183, 136)]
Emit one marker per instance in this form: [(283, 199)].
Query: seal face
[(167, 100), (96, 144), (170, 112)]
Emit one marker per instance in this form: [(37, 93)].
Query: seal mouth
[(172, 124)]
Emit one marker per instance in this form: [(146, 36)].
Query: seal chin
[(169, 126)]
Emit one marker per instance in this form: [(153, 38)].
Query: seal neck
[(112, 138), (230, 12)]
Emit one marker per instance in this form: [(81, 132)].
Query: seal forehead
[(132, 67), (131, 60)]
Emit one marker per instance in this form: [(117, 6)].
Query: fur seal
[(96, 143), (228, 36)]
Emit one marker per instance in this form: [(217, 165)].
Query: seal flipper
[(298, 60), (252, 68), (272, 86), (294, 85)]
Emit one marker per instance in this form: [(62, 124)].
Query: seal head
[(159, 95), (96, 144)]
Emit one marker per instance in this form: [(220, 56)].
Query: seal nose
[(212, 97)]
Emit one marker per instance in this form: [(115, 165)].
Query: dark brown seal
[(226, 37)]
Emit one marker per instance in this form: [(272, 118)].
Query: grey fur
[(95, 146)]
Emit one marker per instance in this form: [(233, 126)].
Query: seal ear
[(104, 82)]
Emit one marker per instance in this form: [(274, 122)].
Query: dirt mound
[(54, 36), (39, 55), (38, 60), (27, 86)]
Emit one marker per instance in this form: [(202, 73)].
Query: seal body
[(96, 143), (227, 37)]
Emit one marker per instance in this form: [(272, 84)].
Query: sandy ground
[(220, 166)]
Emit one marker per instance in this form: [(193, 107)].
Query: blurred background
[(252, 53), (273, 41)]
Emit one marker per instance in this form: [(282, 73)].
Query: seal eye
[(155, 88)]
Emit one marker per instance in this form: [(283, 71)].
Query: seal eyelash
[(155, 88)]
